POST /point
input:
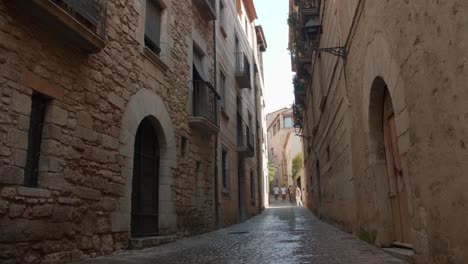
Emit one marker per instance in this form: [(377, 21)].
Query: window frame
[(153, 46), (290, 122)]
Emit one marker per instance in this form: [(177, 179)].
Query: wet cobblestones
[(282, 234)]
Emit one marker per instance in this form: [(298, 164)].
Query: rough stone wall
[(420, 52), (68, 216)]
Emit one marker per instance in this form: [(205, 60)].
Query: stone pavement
[(283, 233)]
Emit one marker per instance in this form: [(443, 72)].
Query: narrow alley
[(283, 233), (156, 131)]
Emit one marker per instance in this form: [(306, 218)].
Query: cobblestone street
[(281, 234)]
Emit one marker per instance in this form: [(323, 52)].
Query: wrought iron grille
[(205, 101), (309, 3), (245, 136), (242, 64), (91, 13), (145, 187)]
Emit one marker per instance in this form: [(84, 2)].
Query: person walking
[(289, 193), (283, 193), (298, 196), (275, 192)]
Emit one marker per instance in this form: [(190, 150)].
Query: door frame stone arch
[(143, 104), (382, 71)]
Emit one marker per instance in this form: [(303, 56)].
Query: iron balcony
[(245, 139), (243, 71), (309, 8), (82, 23), (205, 112), (207, 8)]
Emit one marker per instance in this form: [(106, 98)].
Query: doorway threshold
[(405, 254), (151, 241)]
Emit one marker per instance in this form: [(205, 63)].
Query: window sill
[(223, 31), (155, 59), (224, 114)]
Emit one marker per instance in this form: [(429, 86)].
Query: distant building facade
[(380, 92), (283, 146), (111, 125)]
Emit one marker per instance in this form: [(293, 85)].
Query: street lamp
[(298, 129)]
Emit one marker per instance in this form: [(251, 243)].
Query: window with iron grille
[(36, 123), (153, 26)]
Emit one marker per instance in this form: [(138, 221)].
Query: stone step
[(401, 253), (145, 242)]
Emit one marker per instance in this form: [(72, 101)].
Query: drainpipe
[(216, 198), (259, 167)]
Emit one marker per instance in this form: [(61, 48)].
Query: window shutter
[(223, 91)]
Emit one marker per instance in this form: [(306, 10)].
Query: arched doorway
[(145, 184), (391, 191)]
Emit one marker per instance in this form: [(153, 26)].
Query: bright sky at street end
[(272, 16)]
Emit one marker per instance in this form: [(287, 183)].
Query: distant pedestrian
[(289, 193), (298, 196), (283, 193), (276, 191)]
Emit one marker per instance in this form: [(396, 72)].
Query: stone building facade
[(241, 145), (384, 116), (109, 124)]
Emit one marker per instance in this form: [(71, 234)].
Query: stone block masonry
[(75, 211)]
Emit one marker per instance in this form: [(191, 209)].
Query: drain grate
[(238, 232), (290, 241)]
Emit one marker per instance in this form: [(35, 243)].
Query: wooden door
[(397, 190)]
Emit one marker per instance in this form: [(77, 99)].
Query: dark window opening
[(197, 176), (224, 169), (183, 147), (222, 87), (153, 26), (252, 185), (36, 123)]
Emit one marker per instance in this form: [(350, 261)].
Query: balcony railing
[(308, 8), (207, 8), (82, 22), (91, 13), (243, 70), (205, 107), (245, 138), (299, 86)]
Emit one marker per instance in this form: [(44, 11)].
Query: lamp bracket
[(337, 51), (302, 136)]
